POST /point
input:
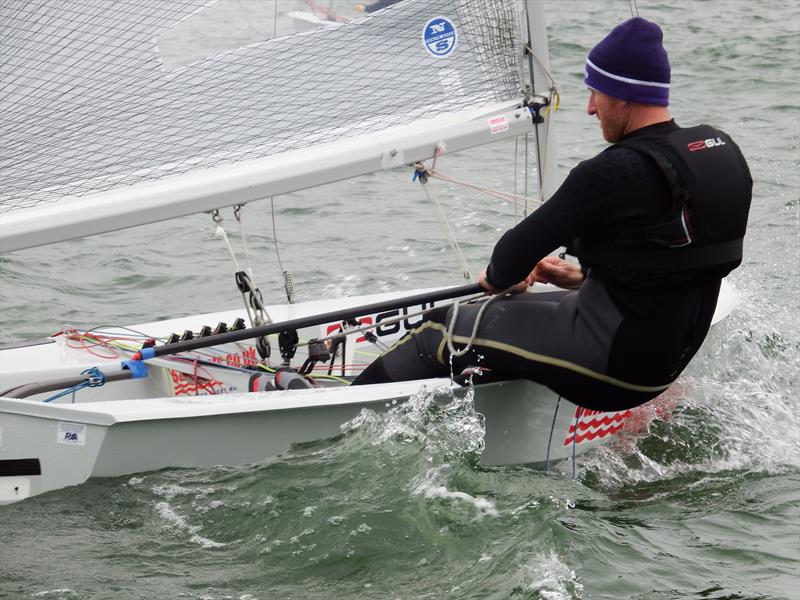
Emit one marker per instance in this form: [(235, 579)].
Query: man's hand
[(490, 289), (559, 272)]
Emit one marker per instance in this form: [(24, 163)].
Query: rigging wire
[(516, 173), (634, 8), (448, 231), (237, 213), (288, 284), (506, 196)]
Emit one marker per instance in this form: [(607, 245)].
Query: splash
[(734, 411), (431, 485), (443, 421), (549, 578)]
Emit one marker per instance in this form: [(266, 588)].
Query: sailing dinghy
[(98, 135)]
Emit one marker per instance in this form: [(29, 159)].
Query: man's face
[(611, 112)]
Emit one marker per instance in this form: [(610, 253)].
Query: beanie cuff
[(626, 88)]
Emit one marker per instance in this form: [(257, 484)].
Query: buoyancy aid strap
[(659, 258), (677, 185)]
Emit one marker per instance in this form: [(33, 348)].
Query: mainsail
[(97, 134)]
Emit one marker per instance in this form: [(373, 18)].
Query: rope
[(219, 231), (432, 172), (237, 212), (517, 199), (448, 232), (258, 316), (94, 378), (479, 316), (543, 67)]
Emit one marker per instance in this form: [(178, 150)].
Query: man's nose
[(591, 107)]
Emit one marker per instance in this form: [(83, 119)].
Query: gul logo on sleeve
[(439, 37)]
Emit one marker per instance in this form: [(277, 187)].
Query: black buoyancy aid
[(711, 190)]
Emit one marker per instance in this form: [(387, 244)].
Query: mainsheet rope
[(258, 315), (451, 328)]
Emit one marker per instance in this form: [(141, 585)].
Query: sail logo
[(703, 144), (439, 37)]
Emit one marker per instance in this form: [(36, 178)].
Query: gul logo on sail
[(588, 425), (439, 37)]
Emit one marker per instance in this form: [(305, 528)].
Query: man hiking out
[(657, 220)]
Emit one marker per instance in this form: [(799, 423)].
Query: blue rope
[(95, 378)]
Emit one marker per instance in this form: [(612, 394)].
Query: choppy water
[(705, 505)]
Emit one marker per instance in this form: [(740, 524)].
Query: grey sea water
[(703, 505)]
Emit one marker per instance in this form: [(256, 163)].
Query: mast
[(538, 61)]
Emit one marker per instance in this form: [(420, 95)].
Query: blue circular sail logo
[(439, 37)]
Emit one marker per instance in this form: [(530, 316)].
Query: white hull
[(119, 437), (134, 426)]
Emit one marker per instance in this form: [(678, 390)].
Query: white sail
[(98, 135)]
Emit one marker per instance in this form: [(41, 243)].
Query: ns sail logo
[(439, 37)]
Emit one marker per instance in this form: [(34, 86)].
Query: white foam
[(430, 486), (179, 523), (443, 422), (550, 578)]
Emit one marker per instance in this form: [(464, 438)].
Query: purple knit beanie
[(630, 63)]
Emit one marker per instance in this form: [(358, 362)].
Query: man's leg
[(423, 352)]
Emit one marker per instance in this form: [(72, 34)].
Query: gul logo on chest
[(705, 144)]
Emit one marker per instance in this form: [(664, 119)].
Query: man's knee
[(438, 314)]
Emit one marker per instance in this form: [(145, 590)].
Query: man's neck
[(643, 115)]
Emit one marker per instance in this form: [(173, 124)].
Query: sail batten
[(87, 105)]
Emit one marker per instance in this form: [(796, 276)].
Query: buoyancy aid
[(711, 189)]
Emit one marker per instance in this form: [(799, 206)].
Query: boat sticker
[(245, 358), (439, 37), (588, 425), (337, 328), (71, 433), (187, 385), (498, 124)]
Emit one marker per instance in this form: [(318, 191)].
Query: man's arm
[(570, 211)]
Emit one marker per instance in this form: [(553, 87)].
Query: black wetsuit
[(646, 302)]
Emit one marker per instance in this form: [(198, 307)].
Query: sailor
[(656, 220)]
